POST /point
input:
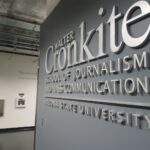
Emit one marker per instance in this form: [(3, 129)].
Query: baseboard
[(19, 129)]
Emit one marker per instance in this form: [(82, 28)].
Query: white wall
[(18, 74)]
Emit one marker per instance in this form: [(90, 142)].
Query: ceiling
[(35, 11), (20, 22)]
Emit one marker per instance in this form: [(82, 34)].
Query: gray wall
[(23, 140), (62, 130)]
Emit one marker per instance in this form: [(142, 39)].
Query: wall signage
[(75, 71), (20, 101), (130, 119)]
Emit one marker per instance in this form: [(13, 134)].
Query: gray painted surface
[(61, 130), (22, 140)]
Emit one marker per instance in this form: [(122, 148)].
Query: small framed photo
[(20, 101)]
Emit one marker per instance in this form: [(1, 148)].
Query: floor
[(17, 140)]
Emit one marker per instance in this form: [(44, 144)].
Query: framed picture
[(1, 107), (20, 101)]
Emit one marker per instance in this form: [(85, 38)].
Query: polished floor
[(17, 140)]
